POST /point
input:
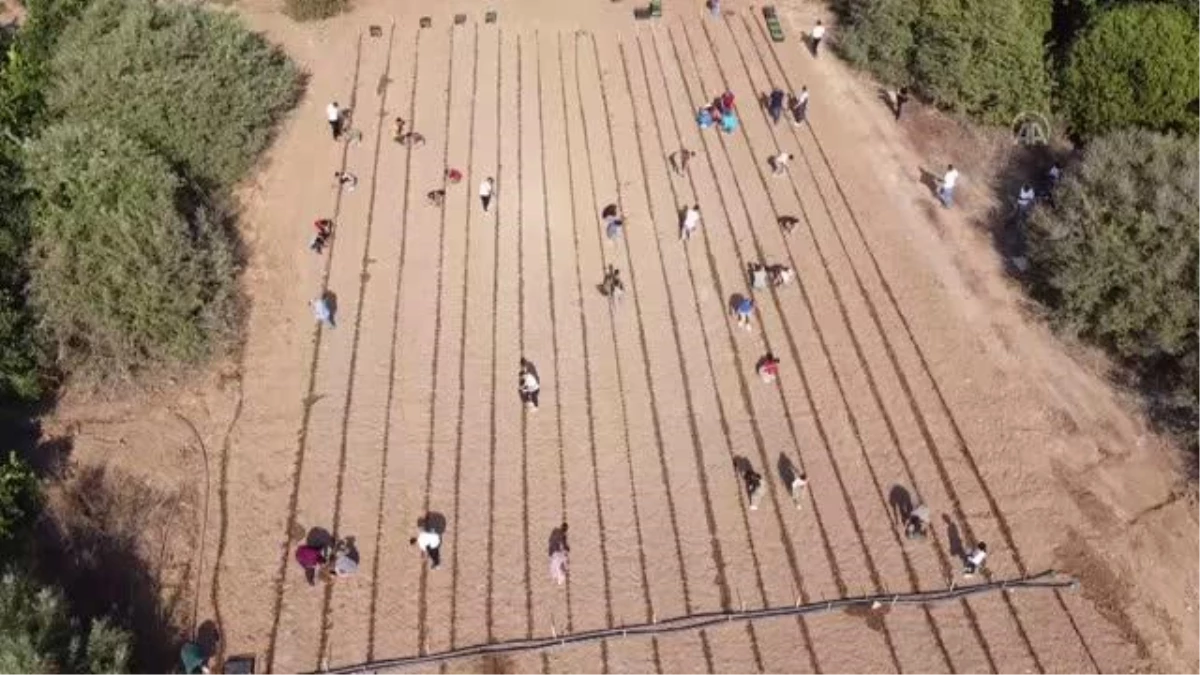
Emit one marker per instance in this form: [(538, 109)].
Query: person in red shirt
[(768, 368), (727, 101), (324, 228), (311, 559)]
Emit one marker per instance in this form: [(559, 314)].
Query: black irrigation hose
[(1048, 579)]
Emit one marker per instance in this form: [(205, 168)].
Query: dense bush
[(38, 635), (24, 73), (20, 503), (310, 10), (192, 84), (126, 271), (1134, 66), (1116, 258), (984, 58), (877, 35)]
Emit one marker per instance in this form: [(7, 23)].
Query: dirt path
[(907, 374)]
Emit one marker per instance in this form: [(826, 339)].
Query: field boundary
[(1048, 580)]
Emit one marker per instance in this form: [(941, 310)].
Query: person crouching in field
[(324, 227), (781, 275), (612, 287), (560, 556), (768, 368), (528, 385)]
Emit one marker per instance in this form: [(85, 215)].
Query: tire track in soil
[(646, 368), (497, 196), (309, 398), (959, 438), (391, 386), (555, 448), (462, 346), (657, 657), (946, 567), (472, 534), (323, 643), (511, 564), (716, 551), (435, 362), (749, 543), (587, 370), (839, 377), (808, 394), (521, 337), (223, 508)]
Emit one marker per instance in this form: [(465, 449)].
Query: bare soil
[(910, 371)]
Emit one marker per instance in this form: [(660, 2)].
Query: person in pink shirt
[(311, 559)]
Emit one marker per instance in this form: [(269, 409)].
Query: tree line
[(124, 126)]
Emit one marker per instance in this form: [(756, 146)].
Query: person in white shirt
[(974, 559), (691, 220), (917, 524), (1025, 199), (430, 543), (797, 489), (528, 385), (334, 114), (486, 188), (817, 34), (779, 163), (346, 180), (323, 311), (946, 186), (800, 107)]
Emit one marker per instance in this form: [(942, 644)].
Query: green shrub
[(192, 84), (126, 273), (20, 503), (1120, 250), (1135, 65), (877, 35), (984, 58), (37, 634), (311, 10), (24, 73)]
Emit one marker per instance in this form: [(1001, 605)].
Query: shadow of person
[(742, 465), (558, 540), (319, 537), (208, 637), (331, 298), (900, 502), (930, 180), (954, 539), (432, 521), (888, 97), (787, 470), (528, 365)]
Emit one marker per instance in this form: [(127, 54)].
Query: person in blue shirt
[(729, 122), (775, 104), (743, 309)]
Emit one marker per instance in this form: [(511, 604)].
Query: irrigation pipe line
[(1049, 579)]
